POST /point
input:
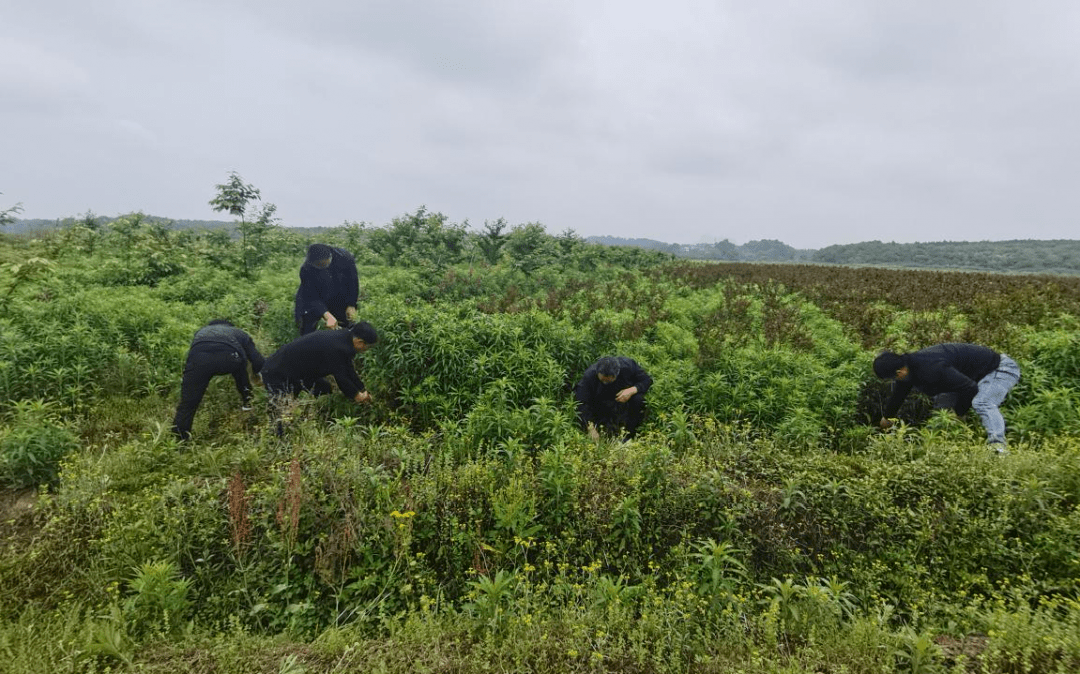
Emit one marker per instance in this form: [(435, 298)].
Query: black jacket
[(590, 391), (945, 368), (318, 354), (233, 337), (331, 289)]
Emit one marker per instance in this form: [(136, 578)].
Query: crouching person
[(303, 365), (611, 397)]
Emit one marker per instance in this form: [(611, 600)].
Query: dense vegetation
[(1027, 255), (463, 523)]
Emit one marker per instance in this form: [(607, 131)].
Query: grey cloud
[(486, 43), (812, 123)]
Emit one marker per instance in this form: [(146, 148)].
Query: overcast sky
[(685, 121)]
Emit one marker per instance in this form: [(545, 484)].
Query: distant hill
[(1058, 256), (765, 250)]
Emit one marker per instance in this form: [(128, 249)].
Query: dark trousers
[(279, 387), (611, 417), (280, 391), (309, 320), (204, 362)]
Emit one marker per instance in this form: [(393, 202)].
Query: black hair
[(317, 252), (220, 321), (364, 330), (608, 366), (887, 363)]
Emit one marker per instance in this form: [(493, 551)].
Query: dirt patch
[(967, 649), (17, 502), (16, 510)]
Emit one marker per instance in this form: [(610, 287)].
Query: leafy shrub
[(159, 602), (1040, 638), (33, 445), (202, 287), (1046, 413)]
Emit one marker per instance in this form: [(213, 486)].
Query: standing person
[(611, 396), (303, 364), (329, 288), (217, 348), (962, 376)]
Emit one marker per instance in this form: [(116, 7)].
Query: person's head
[(363, 335), (319, 255), (889, 365), (607, 368)]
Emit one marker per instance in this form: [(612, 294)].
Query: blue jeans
[(992, 391)]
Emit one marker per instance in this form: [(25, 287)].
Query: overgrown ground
[(463, 523)]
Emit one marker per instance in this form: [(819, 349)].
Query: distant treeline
[(1060, 256), (30, 226), (765, 250)]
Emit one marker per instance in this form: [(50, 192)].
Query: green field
[(462, 522)]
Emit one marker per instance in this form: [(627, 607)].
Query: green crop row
[(759, 522)]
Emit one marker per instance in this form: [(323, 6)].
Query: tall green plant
[(492, 239), (421, 239), (21, 274), (33, 445), (234, 197)]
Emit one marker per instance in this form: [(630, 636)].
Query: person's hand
[(594, 434), (626, 394), (350, 313), (885, 424), (362, 397), (331, 322)]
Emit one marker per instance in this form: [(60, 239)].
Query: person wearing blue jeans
[(957, 376)]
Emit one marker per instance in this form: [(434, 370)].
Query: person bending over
[(218, 348), (304, 363), (611, 397), (957, 376)]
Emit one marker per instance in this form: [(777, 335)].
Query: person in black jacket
[(217, 348), (329, 288), (958, 376), (611, 396), (303, 364)]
